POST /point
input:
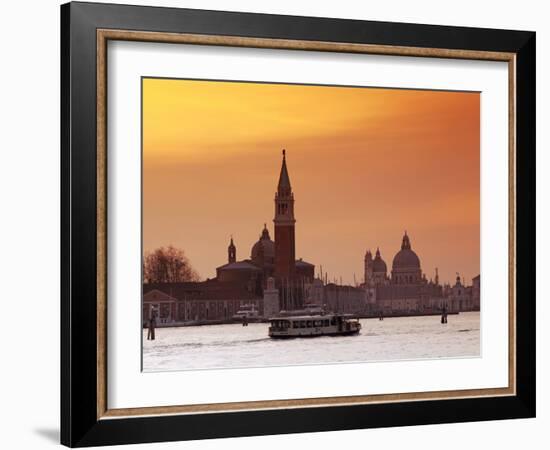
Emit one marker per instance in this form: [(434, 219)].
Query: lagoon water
[(231, 346)]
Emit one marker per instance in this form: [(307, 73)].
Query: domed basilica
[(408, 290), (405, 267)]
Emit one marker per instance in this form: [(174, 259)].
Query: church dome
[(378, 264), (406, 258), (264, 249)]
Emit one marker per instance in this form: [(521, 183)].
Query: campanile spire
[(284, 198), (285, 252), (284, 188)]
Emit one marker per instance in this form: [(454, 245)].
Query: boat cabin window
[(280, 323)]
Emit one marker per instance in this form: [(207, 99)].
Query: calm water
[(229, 346)]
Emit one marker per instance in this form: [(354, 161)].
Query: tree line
[(168, 265)]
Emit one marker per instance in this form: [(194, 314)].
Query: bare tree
[(167, 265)]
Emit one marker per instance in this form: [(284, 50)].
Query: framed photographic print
[(276, 224)]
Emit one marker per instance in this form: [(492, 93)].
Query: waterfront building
[(207, 301), (476, 290), (461, 296), (344, 299), (407, 290)]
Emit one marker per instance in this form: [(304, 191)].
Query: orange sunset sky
[(365, 164)]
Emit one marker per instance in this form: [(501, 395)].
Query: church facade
[(274, 259)]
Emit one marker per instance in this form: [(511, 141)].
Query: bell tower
[(231, 252), (368, 268), (285, 253)]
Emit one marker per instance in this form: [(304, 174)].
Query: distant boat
[(313, 325), (248, 311)]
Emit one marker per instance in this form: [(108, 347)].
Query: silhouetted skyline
[(366, 164)]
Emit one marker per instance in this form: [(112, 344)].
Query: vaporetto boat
[(329, 324), (248, 311)]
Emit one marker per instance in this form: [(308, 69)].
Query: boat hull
[(313, 335)]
